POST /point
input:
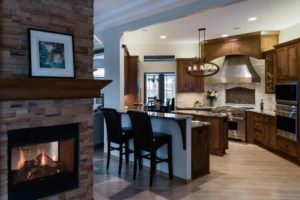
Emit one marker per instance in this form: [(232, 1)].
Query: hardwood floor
[(245, 172)]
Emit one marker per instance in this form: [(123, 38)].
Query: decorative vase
[(211, 102)]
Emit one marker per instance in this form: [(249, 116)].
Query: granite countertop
[(201, 113), (208, 108), (265, 112), (198, 124), (175, 116)]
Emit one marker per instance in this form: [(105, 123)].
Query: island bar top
[(201, 113), (176, 116)]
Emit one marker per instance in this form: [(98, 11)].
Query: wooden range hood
[(49, 88), (250, 44)]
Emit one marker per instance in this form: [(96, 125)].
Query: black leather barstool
[(147, 140), (117, 134)]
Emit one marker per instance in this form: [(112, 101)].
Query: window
[(159, 85)]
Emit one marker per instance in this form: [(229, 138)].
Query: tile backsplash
[(188, 99)]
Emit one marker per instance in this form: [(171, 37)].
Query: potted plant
[(211, 95)]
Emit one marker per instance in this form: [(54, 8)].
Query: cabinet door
[(200, 151), (287, 147), (183, 79), (269, 73), (281, 65), (271, 132), (292, 62), (185, 82)]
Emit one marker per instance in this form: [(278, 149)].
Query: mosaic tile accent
[(240, 95)]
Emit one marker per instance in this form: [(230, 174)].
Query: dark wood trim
[(287, 43), (241, 36), (125, 49), (46, 88), (182, 126)]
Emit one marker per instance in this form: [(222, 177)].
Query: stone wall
[(65, 16)]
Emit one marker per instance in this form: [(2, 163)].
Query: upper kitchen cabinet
[(288, 60), (270, 60), (130, 80), (250, 44), (185, 82)]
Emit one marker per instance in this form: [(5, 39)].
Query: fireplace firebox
[(42, 161)]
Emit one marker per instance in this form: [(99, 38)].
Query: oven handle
[(292, 115), (237, 118)]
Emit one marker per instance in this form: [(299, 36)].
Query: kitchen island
[(182, 130), (218, 130)]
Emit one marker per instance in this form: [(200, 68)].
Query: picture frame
[(51, 54)]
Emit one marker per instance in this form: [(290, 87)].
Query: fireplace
[(42, 161)]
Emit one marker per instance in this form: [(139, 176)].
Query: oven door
[(286, 92), (236, 129), (286, 127)]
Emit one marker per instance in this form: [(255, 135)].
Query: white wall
[(179, 50), (289, 33)]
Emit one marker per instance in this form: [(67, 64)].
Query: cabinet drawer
[(259, 118), (287, 147)]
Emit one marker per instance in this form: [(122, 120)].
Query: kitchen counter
[(264, 112), (199, 124), (201, 113), (206, 108), (175, 116), (182, 129), (218, 129)]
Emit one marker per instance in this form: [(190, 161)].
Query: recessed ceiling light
[(224, 35), (251, 19), (163, 37), (237, 28)]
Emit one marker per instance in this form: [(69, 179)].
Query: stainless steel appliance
[(287, 92), (236, 121), (286, 121)]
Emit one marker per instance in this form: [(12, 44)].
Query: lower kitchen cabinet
[(287, 147), (200, 151), (261, 129)]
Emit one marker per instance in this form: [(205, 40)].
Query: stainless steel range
[(236, 121)]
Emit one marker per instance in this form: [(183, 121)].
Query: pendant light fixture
[(202, 68)]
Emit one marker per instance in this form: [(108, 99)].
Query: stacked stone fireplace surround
[(68, 16)]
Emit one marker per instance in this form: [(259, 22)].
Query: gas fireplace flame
[(43, 159), (54, 157), (22, 159)]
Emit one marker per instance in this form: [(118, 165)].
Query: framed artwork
[(51, 54)]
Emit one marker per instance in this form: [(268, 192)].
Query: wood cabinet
[(130, 80), (218, 137), (270, 60), (261, 129), (287, 147), (200, 151), (185, 82), (287, 61), (250, 44)]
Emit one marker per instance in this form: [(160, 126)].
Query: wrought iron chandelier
[(202, 68)]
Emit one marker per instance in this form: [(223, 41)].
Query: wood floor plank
[(246, 172)]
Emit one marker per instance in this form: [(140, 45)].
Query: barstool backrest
[(113, 124), (142, 130)]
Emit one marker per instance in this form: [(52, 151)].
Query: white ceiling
[(271, 14), (111, 13)]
